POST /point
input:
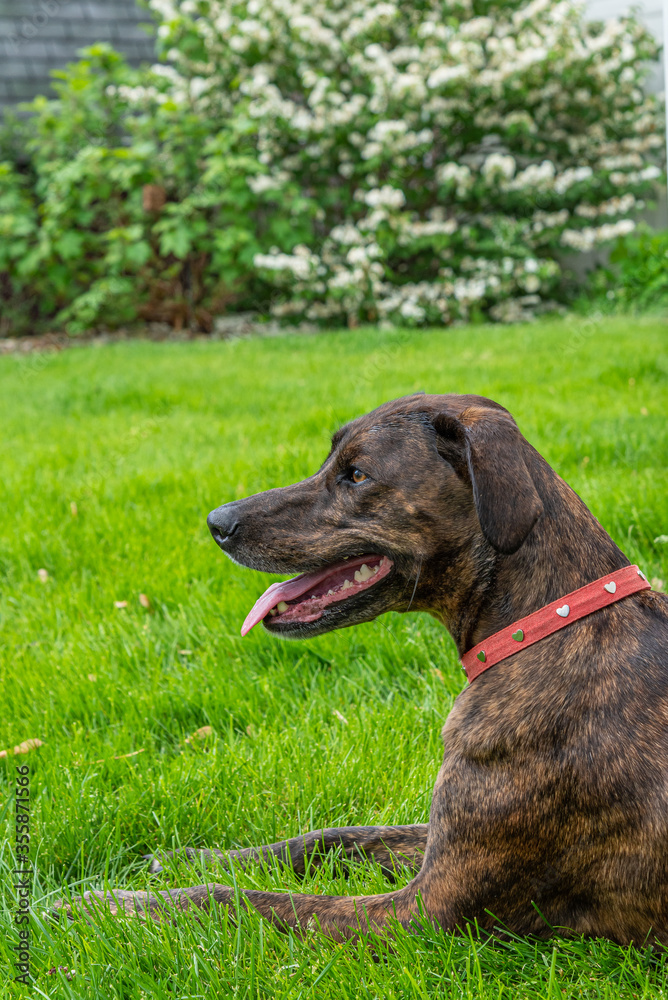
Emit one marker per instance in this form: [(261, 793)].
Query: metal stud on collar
[(552, 617)]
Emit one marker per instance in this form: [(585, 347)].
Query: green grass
[(145, 439)]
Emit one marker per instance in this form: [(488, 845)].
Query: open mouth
[(304, 598)]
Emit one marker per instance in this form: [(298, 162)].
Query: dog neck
[(566, 549)]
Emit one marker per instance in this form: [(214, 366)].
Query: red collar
[(551, 618)]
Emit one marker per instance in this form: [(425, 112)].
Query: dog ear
[(504, 493)]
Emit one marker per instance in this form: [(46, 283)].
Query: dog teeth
[(346, 585), (273, 612), (364, 573), (282, 606), (330, 592)]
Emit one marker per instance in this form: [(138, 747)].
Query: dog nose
[(223, 524)]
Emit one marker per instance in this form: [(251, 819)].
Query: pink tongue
[(290, 589)]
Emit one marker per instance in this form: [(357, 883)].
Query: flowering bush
[(336, 162), (452, 149)]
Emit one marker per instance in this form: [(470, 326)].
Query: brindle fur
[(550, 809)]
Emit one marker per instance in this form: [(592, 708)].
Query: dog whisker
[(417, 580)]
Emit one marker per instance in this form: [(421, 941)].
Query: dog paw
[(144, 905), (116, 902), (161, 859), (155, 862), (60, 909)]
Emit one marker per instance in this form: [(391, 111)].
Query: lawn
[(111, 459)]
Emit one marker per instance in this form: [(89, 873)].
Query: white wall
[(650, 13)]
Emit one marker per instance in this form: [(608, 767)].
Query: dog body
[(550, 809)]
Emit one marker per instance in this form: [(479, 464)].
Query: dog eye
[(358, 476)]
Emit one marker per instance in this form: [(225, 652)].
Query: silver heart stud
[(563, 612), (610, 587)]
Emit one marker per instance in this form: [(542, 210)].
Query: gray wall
[(38, 36)]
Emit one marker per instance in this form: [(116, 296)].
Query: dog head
[(414, 494)]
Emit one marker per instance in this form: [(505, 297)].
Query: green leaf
[(177, 241), (68, 245)]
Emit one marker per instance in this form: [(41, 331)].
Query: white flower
[(625, 160), (299, 266), (614, 206), (239, 43), (498, 166), (223, 22), (446, 74), (586, 211), (362, 254), (170, 72), (166, 9), (571, 177), (267, 182), (343, 279), (469, 290), (386, 196), (347, 234), (409, 85), (477, 27), (610, 231), (372, 149), (459, 173), (198, 86), (527, 57), (433, 227), (387, 129), (536, 175), (587, 238), (411, 310)]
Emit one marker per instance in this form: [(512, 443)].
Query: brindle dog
[(551, 806)]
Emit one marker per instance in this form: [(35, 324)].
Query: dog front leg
[(388, 846), (339, 917)]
